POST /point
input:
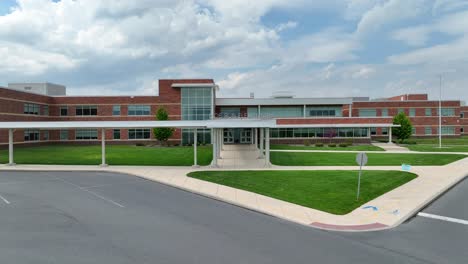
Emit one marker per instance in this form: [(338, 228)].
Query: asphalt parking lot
[(89, 217)]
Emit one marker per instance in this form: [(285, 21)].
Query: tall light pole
[(440, 111)]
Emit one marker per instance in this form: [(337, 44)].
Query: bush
[(140, 144), (319, 145), (306, 143), (331, 145), (411, 142), (343, 145)]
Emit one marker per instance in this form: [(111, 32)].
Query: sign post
[(361, 159)]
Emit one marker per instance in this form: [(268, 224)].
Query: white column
[(220, 142), (389, 135), (267, 147), (350, 110), (103, 147), (214, 162), (262, 140), (195, 140), (11, 161), (304, 111)]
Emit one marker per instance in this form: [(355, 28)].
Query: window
[(63, 134), (282, 112), (64, 110), (116, 110), (462, 130), (373, 131), (448, 112), (385, 112), (446, 130), (413, 131), (31, 109), (462, 115), (196, 104), (252, 112), (86, 110), (203, 136), (412, 112), (367, 112), (323, 111), (31, 135), (139, 133), (46, 110), (230, 112), (428, 112), (86, 134), (428, 131), (46, 135), (139, 110), (116, 133), (385, 131), (318, 132), (401, 110)]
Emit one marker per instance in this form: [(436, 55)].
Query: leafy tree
[(404, 131), (162, 133)]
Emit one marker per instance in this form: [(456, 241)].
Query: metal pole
[(440, 111), (103, 147), (11, 161), (267, 144), (195, 141), (359, 179)]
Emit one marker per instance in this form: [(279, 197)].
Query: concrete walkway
[(392, 208), (391, 147)]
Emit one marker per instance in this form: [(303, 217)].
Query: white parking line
[(444, 218), (91, 192), (5, 200)]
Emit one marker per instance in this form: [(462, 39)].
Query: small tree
[(404, 131), (162, 133)]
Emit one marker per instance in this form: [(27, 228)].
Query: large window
[(64, 110), (63, 134), (46, 110), (46, 135), (384, 130), (448, 112), (31, 135), (428, 131), (139, 133), (32, 109), (318, 132), (412, 112), (203, 136), (446, 130), (86, 134), (86, 110), (252, 112), (428, 112), (230, 112), (196, 104), (385, 112), (139, 110), (271, 112), (323, 111), (367, 112), (116, 133), (116, 110)]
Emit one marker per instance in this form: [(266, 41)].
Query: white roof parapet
[(193, 85), (282, 101), (335, 125)]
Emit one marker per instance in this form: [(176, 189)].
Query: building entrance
[(237, 136)]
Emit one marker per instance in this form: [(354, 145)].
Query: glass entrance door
[(246, 136), (229, 136)]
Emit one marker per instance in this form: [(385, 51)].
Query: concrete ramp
[(240, 157)]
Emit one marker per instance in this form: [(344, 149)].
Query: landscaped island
[(329, 191)]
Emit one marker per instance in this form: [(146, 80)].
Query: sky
[(331, 48)]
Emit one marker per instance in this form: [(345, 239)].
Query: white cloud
[(363, 73), (413, 36)]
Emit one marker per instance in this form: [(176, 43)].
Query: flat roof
[(216, 123), (282, 101)]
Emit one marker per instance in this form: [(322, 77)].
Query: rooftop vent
[(283, 94)]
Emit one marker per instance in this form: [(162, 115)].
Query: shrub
[(306, 143), (319, 145), (344, 145), (140, 144), (332, 145)]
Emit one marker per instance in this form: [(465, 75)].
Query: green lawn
[(349, 159), (435, 148), (329, 191), (463, 140), (116, 155), (349, 148)]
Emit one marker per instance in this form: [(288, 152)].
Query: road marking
[(444, 218), (5, 200), (91, 192)]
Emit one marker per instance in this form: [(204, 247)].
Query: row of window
[(87, 134), (295, 111), (91, 110), (318, 132), (411, 112)]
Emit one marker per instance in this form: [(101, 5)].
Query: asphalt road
[(74, 217)]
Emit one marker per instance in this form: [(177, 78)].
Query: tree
[(162, 133), (404, 131)]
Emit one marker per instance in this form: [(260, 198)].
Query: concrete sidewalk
[(367, 151), (393, 207)]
